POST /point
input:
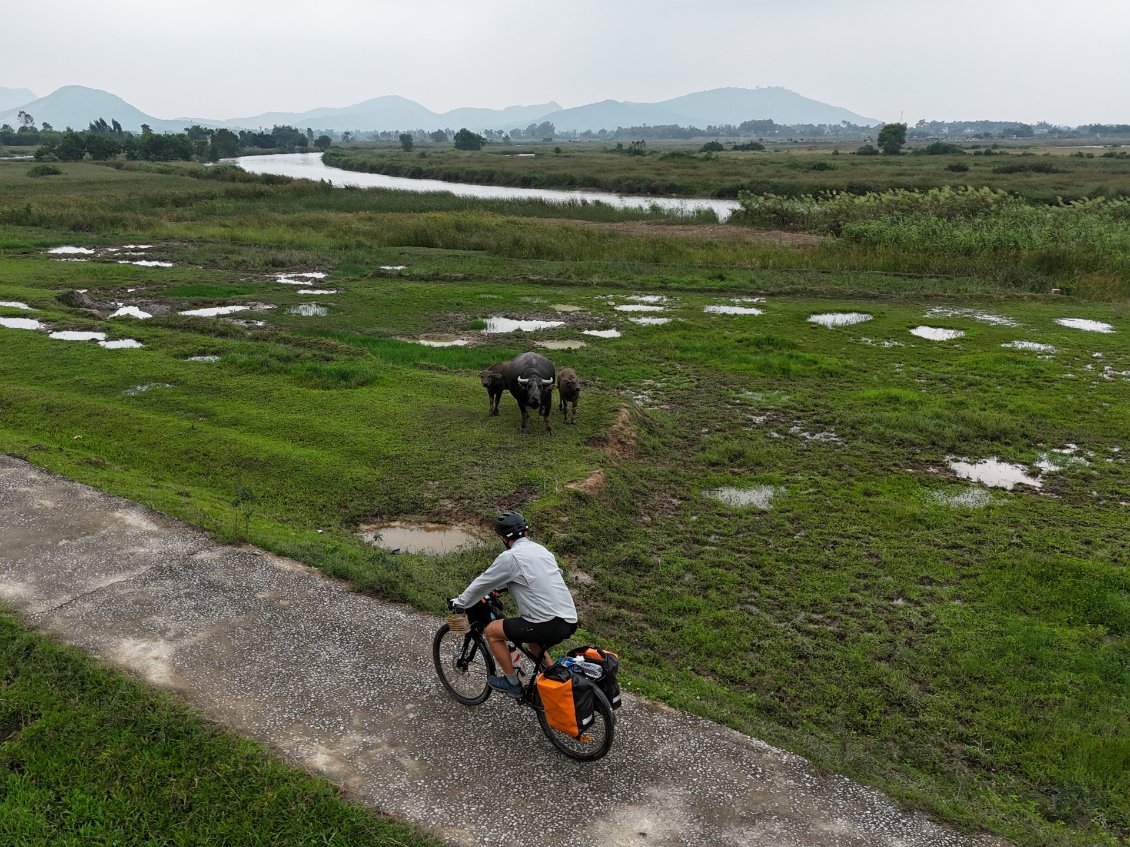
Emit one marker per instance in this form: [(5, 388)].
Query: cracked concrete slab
[(343, 685)]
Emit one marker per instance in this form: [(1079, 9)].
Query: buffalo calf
[(495, 383), (568, 391)]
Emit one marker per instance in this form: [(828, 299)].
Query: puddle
[(835, 319), (121, 344), (934, 333), (300, 278), (970, 498), (562, 345), (317, 291), (1035, 346), (884, 343), (1084, 324), (813, 436), (650, 321), (394, 267), (203, 359), (75, 335), (308, 310), (68, 250), (146, 263), (760, 497), (429, 538), (136, 246), (983, 317), (15, 304), (497, 324), (131, 312), (640, 307), (20, 323), (448, 341), (214, 311), (649, 298), (994, 473), (565, 307), (141, 389), (1057, 460), (732, 310), (602, 333)]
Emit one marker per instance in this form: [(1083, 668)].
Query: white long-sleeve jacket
[(534, 580)]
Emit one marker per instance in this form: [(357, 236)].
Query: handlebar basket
[(457, 622)]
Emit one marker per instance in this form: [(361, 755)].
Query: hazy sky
[(1026, 60)]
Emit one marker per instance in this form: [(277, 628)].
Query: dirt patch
[(594, 484), (622, 438), (706, 232)]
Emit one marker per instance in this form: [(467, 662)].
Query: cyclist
[(547, 614)]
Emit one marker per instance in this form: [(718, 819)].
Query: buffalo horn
[(547, 382), (522, 380)]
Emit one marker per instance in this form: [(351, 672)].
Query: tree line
[(103, 140)]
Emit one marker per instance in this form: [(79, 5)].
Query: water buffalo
[(529, 377), (495, 383), (568, 391)]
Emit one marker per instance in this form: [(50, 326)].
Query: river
[(310, 166)]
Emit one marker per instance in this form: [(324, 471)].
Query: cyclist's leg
[(499, 646)]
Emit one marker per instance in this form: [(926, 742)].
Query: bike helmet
[(510, 525)]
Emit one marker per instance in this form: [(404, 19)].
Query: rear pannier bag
[(567, 699), (609, 664)]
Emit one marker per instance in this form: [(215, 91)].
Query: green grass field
[(961, 647)]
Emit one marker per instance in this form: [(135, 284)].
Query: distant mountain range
[(13, 98), (76, 106)]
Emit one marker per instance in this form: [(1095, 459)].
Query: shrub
[(822, 166), (43, 170), (1027, 167), (867, 150), (753, 146), (711, 147), (938, 148), (957, 167)]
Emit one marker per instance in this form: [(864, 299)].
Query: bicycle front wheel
[(463, 663), (594, 742)]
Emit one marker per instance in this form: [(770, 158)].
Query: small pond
[(1084, 324), (732, 310), (934, 333), (994, 473), (428, 538), (835, 319), (500, 324)]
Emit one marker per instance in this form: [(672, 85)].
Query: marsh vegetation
[(873, 611)]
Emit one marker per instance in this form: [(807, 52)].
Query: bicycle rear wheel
[(463, 663), (594, 742)]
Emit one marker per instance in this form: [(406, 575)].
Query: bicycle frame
[(529, 687)]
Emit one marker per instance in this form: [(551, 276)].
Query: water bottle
[(589, 669), (515, 656)]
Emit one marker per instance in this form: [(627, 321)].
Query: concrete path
[(343, 685)]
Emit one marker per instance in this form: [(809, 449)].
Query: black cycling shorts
[(546, 633)]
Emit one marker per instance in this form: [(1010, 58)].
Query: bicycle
[(463, 662)]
